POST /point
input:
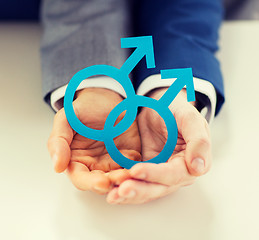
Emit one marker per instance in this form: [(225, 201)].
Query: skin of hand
[(191, 157), (86, 161)]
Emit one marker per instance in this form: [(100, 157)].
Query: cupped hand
[(87, 162), (191, 157)]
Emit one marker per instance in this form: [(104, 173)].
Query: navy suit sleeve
[(14, 10), (185, 34)]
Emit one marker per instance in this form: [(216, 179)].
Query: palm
[(154, 135), (92, 109)]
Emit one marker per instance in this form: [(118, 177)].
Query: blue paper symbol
[(144, 47)]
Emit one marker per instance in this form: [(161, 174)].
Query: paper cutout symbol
[(144, 47)]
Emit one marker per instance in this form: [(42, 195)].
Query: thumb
[(195, 131), (198, 157), (59, 142)]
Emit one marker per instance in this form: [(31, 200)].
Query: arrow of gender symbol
[(144, 47)]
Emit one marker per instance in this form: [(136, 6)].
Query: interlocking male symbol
[(144, 47)]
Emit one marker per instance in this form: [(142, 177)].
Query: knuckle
[(204, 142)]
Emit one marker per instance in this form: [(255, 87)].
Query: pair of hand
[(90, 167)]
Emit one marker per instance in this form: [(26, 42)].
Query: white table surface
[(36, 203)]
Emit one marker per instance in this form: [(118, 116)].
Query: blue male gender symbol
[(144, 47)]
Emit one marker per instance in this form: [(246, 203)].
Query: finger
[(171, 173), (103, 162), (118, 176), (195, 131), (84, 180), (113, 196), (137, 192), (59, 142)]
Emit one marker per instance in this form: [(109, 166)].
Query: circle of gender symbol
[(144, 46)]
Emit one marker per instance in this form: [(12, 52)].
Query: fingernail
[(198, 164), (131, 194)]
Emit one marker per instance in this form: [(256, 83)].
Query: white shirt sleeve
[(150, 83)]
